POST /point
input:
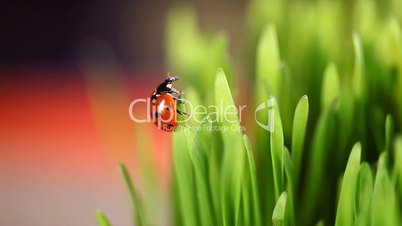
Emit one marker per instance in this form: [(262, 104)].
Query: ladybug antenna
[(172, 79)]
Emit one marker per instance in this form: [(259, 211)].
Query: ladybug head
[(167, 84)]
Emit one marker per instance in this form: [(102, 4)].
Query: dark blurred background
[(51, 32)]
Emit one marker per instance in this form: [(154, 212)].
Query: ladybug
[(163, 105)]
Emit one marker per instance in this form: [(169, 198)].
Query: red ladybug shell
[(163, 112)]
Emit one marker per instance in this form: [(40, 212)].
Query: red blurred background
[(68, 72)]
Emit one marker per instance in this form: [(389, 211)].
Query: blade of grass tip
[(278, 216), (359, 82), (398, 161), (268, 60), (224, 99), (137, 208), (234, 155), (184, 175), (298, 134), (331, 87), (320, 223), (277, 146), (259, 12), (339, 187), (102, 219), (290, 188), (384, 210), (345, 211), (254, 186), (199, 159), (389, 135), (364, 195)]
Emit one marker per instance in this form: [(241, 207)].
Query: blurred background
[(68, 71)]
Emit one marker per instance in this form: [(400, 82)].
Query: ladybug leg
[(181, 112), (180, 101), (172, 91), (175, 91)]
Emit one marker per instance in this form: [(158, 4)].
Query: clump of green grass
[(335, 154)]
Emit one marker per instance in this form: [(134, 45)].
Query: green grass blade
[(320, 223), (102, 219), (199, 159), (290, 188), (278, 216), (360, 89), (385, 211), (299, 133), (246, 201), (359, 81), (176, 204), (277, 146), (364, 195), (316, 165), (224, 99), (267, 66), (345, 212), (234, 154), (331, 87), (215, 163), (136, 204), (268, 61), (184, 176), (254, 186)]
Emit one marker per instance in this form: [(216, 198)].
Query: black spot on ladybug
[(157, 114), (168, 107)]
